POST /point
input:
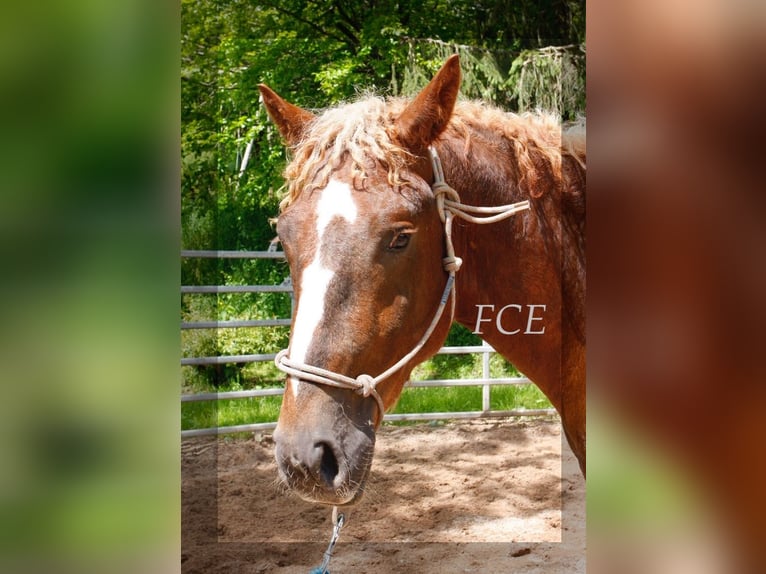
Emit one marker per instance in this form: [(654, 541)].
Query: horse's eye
[(400, 241)]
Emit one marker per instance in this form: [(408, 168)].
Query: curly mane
[(362, 131)]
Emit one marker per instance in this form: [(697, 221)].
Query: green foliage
[(462, 399), (482, 77), (551, 79), (208, 414)]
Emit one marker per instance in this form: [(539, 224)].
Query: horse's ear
[(428, 114), (291, 121)]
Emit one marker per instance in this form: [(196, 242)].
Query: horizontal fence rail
[(236, 289), (236, 324), (190, 254), (486, 382)]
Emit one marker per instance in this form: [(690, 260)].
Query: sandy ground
[(480, 496)]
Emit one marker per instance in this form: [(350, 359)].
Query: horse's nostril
[(328, 463)]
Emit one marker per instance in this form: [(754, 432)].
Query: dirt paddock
[(482, 496)]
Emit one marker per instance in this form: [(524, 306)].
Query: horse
[(380, 228)]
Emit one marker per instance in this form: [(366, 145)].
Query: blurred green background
[(89, 220)]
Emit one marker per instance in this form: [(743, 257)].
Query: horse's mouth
[(348, 493), (345, 501)]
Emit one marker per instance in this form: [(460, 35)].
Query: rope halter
[(448, 205)]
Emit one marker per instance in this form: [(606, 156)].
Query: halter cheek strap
[(449, 206)]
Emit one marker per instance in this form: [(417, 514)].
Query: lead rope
[(338, 520)]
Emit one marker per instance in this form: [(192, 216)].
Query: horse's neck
[(509, 289), (516, 258), (522, 283)]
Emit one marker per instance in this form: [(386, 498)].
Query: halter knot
[(452, 263), (441, 188), (366, 385), (442, 191)]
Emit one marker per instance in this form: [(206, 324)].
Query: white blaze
[(335, 200)]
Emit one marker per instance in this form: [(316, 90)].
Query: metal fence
[(486, 382)]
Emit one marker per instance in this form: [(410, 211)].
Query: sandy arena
[(482, 496)]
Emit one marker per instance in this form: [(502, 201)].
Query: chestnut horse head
[(363, 236)]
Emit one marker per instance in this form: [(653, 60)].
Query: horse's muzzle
[(322, 467)]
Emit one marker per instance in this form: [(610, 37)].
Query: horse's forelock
[(360, 132)]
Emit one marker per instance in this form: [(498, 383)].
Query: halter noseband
[(448, 205)]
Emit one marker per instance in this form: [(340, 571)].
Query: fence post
[(485, 389)]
